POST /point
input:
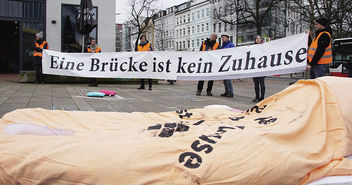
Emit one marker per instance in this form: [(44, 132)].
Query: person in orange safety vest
[(207, 45), (319, 51), (39, 45), (144, 45), (93, 48)]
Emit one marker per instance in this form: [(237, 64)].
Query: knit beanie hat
[(323, 21), (40, 35)]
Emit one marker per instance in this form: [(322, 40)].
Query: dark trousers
[(259, 83), (201, 84), (349, 72), (317, 71), (39, 76), (149, 82), (93, 82)]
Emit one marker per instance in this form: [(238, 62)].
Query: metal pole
[(83, 43)]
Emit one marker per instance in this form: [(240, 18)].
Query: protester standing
[(319, 51), (207, 45), (226, 43), (144, 45), (348, 66), (39, 45), (93, 48), (259, 81)]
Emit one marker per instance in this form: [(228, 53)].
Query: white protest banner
[(282, 56)]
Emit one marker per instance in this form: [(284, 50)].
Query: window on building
[(219, 27), (184, 18), (225, 26), (192, 29), (214, 28), (207, 27), (203, 13), (188, 44), (198, 29), (189, 30), (184, 31), (214, 12), (70, 38), (177, 21), (184, 44), (202, 27), (176, 45), (192, 43), (176, 33), (198, 15), (198, 43), (207, 10), (188, 18)]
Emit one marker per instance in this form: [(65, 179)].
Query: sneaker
[(255, 100), (140, 88), (198, 93), (209, 94), (224, 94), (150, 88)]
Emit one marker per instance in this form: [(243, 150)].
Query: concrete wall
[(106, 23)]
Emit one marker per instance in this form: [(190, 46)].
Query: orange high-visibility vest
[(144, 48), (97, 50), (216, 45), (327, 57), (41, 46)]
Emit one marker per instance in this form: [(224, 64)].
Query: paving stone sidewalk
[(163, 97)]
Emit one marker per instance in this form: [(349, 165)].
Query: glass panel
[(9, 36), (28, 33), (10, 8), (71, 40)]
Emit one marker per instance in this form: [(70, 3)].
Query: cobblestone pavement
[(163, 97)]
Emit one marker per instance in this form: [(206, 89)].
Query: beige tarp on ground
[(293, 137)]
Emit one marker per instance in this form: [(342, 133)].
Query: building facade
[(61, 26), (164, 30), (118, 44), (200, 22), (126, 37), (21, 20), (183, 27), (221, 27), (294, 23)]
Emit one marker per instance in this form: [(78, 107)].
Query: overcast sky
[(122, 8)]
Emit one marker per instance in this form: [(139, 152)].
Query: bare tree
[(142, 12), (160, 34), (338, 12), (247, 13)]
